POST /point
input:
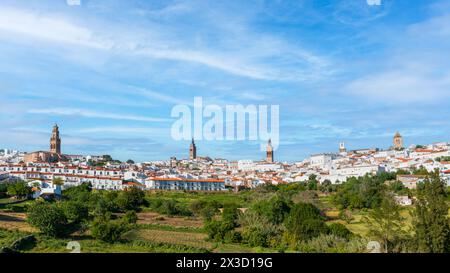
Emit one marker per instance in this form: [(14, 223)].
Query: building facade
[(160, 183)]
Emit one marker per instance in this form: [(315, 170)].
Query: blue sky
[(109, 72)]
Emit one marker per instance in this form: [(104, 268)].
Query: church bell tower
[(269, 157), (55, 141), (192, 151)]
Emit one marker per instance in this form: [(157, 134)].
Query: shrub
[(340, 230), (332, 244), (169, 207), (205, 209), (217, 230), (233, 237), (346, 215), (130, 217), (258, 231), (107, 230)]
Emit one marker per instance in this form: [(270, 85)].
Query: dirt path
[(15, 221)]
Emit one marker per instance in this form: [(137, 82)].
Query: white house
[(403, 200), (358, 170), (44, 189), (322, 161)]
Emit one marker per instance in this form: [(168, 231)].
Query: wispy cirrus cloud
[(151, 43), (94, 114), (127, 130)]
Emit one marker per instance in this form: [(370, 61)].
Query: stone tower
[(398, 141), (269, 157), (192, 151), (55, 141), (342, 148)]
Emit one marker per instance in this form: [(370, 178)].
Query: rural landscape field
[(297, 217)]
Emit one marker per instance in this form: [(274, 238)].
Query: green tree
[(304, 222), (397, 187), (107, 158), (275, 209), (218, 229), (80, 193), (58, 181), (48, 218), (19, 190), (327, 187), (75, 212), (385, 223), (312, 183), (230, 214), (131, 199), (421, 171), (108, 230), (431, 221), (361, 192)]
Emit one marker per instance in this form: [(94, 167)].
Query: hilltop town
[(197, 173)]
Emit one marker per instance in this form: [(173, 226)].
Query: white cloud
[(160, 96), (93, 114), (49, 28), (126, 130), (402, 86), (246, 56), (414, 69)]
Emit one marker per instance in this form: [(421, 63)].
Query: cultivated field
[(153, 218)]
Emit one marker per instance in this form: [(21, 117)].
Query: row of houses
[(107, 179)]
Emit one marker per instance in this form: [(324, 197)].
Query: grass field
[(160, 233), (197, 240), (153, 218), (187, 198), (11, 205), (5, 201)]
